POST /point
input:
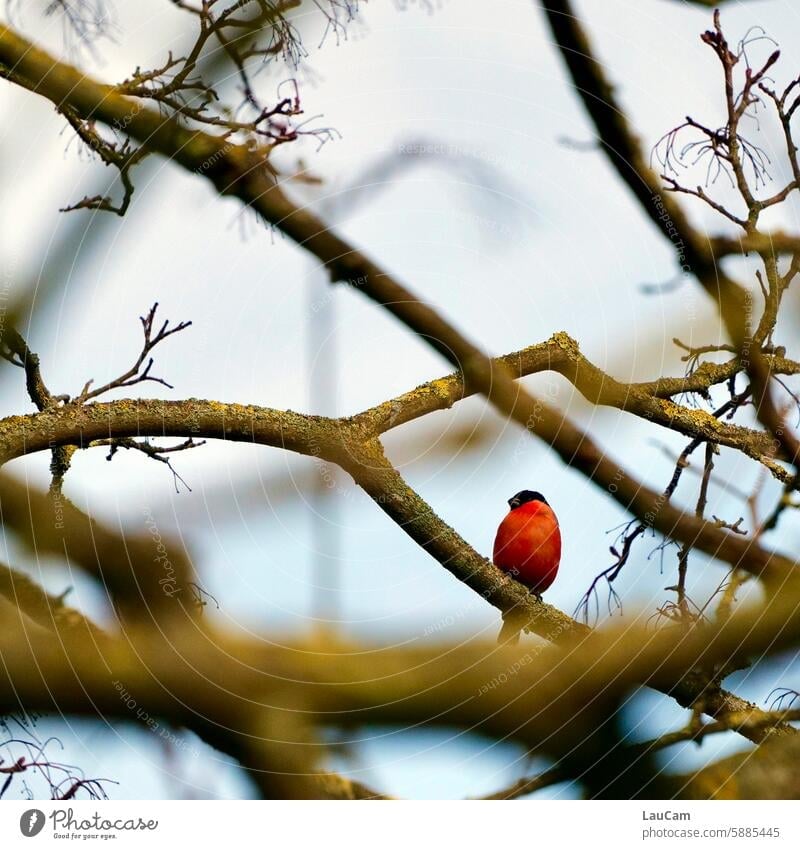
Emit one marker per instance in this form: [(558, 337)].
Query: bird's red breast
[(528, 545)]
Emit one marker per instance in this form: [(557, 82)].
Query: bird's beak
[(513, 503)]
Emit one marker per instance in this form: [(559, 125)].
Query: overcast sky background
[(515, 229)]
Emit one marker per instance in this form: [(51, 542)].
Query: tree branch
[(239, 694)]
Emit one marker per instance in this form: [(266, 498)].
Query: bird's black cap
[(524, 497)]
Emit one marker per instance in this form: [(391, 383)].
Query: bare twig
[(155, 452), (139, 372)]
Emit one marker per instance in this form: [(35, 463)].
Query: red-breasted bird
[(528, 548)]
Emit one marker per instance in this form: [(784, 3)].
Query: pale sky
[(511, 230)]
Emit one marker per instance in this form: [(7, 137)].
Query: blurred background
[(464, 163)]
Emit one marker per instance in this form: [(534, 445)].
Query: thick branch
[(46, 610), (227, 690), (139, 571), (649, 400), (692, 733)]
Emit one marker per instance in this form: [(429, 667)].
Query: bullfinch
[(528, 548)]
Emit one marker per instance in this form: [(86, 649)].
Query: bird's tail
[(511, 629)]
